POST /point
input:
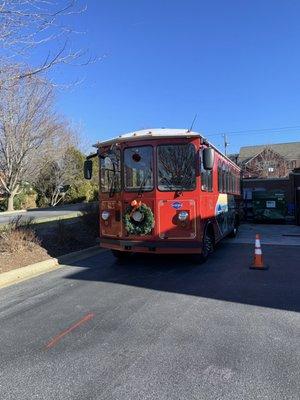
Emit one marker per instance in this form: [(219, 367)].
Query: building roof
[(290, 151)]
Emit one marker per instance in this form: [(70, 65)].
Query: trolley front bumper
[(147, 246)]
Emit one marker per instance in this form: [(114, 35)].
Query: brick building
[(269, 161)]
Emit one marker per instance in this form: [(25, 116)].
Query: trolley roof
[(145, 134)]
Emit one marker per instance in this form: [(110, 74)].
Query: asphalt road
[(155, 328), (59, 211)]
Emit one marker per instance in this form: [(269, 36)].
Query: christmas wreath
[(138, 218)]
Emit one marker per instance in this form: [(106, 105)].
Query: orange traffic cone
[(258, 258)]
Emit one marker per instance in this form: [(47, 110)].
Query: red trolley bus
[(165, 191)]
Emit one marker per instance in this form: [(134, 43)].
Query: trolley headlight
[(183, 215), (105, 215), (137, 216)]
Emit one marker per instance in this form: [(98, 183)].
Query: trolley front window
[(176, 167), (138, 168)]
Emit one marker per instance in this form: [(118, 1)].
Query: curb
[(55, 208), (4, 213), (30, 271), (75, 214), (21, 274)]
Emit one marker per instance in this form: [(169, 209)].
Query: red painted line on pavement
[(53, 342)]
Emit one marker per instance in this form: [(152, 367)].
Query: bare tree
[(28, 25), (29, 132), (52, 183), (56, 177)]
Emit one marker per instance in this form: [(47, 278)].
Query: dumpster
[(269, 206)]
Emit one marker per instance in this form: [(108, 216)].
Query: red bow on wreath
[(135, 205)]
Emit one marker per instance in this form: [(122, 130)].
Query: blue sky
[(235, 63)]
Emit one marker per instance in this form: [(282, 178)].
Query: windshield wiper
[(112, 188), (142, 185)]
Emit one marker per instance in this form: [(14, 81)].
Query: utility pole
[(226, 143)]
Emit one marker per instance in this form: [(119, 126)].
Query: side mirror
[(88, 169), (208, 158)]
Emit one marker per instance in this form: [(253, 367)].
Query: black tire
[(235, 230), (208, 245), (121, 255)]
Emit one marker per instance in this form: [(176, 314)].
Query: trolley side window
[(206, 178), (176, 164), (220, 178), (110, 177), (138, 168)]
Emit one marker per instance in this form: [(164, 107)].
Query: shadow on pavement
[(225, 276)]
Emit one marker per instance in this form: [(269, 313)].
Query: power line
[(258, 131), (266, 129)]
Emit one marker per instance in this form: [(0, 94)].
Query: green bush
[(42, 201), (80, 188), (67, 175), (80, 191), (25, 199)]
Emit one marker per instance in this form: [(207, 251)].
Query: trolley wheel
[(121, 255), (208, 245), (234, 231)]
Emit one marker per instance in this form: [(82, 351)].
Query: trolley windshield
[(176, 167), (138, 168)]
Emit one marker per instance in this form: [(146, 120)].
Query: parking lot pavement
[(155, 328), (284, 235)]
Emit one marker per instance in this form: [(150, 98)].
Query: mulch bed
[(10, 261), (36, 254), (65, 239)]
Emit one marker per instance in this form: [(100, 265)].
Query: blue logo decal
[(177, 205)]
